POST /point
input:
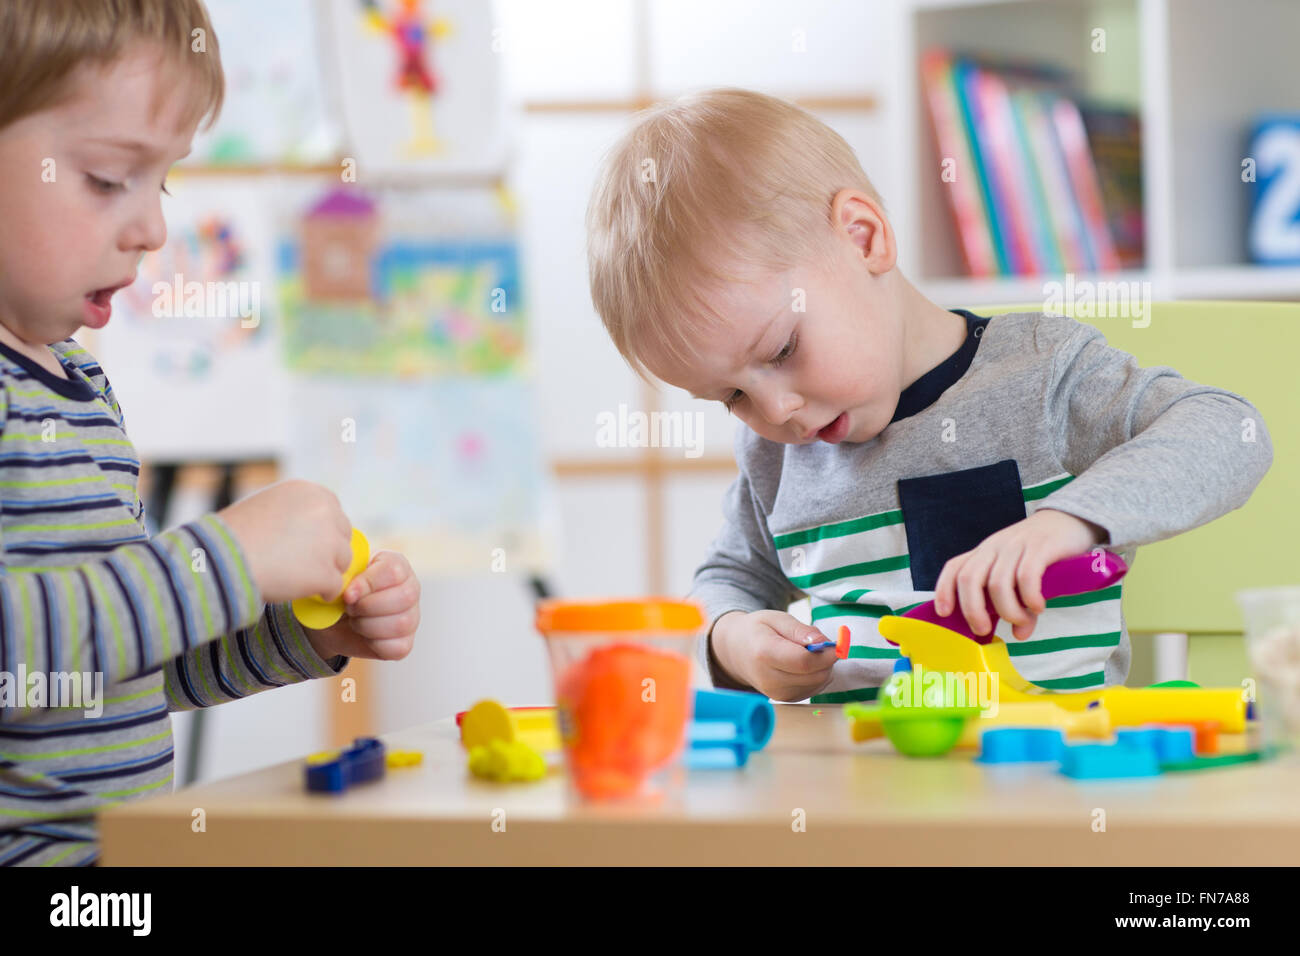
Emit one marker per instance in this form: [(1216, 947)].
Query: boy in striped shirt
[(891, 451), (97, 100)]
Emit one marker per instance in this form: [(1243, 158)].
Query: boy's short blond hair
[(42, 42), (703, 191)]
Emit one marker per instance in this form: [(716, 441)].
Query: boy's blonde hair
[(42, 42), (714, 179)]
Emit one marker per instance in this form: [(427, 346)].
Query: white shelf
[(1239, 282), (1198, 71), (1014, 290)]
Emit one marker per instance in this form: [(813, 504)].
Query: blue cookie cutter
[(360, 763), (1021, 745)]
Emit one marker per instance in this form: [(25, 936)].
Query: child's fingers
[(945, 597), (385, 570), (971, 583), (1002, 590), (392, 600), (1029, 581), (790, 656), (392, 629)]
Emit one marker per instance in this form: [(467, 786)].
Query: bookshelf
[(1198, 72)]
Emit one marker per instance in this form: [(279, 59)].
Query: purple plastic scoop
[(1077, 575)]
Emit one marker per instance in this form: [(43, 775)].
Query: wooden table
[(861, 804)]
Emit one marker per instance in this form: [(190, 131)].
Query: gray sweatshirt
[(1033, 411)]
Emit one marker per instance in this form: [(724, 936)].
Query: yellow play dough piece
[(317, 613), (404, 758)]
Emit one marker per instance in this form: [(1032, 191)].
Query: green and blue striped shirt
[(87, 599)]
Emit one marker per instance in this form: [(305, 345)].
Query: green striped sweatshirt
[(103, 631)]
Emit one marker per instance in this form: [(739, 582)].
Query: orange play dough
[(616, 731)]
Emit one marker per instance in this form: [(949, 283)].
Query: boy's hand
[(765, 650), (297, 539), (381, 615), (1010, 559)]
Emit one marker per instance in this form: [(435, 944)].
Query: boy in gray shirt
[(894, 451)]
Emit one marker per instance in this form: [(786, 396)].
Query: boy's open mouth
[(99, 304), (835, 432)]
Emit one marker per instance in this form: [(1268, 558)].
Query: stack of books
[(1030, 193)]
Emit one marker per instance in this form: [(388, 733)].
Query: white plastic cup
[(1272, 618)]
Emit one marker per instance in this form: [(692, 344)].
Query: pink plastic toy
[(1077, 575)]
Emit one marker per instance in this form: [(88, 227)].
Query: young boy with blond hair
[(891, 451), (97, 101)]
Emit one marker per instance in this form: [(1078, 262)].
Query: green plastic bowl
[(925, 731)]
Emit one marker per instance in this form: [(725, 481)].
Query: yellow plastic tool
[(489, 720), (937, 648), (318, 614), (1092, 722)]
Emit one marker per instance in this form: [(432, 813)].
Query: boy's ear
[(859, 219)]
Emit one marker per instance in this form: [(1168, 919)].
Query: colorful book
[(1045, 235), (964, 81), (1063, 211), (1115, 140), (965, 193), (1083, 177), (1003, 153)]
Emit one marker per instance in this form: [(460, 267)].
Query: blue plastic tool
[(1109, 761), (729, 725), (1170, 744), (714, 745), (753, 715), (1022, 745), (819, 646), (362, 762)]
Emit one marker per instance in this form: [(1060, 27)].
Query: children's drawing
[(411, 33), (419, 84), (360, 299)]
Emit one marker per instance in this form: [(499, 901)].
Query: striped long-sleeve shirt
[(88, 600), (1033, 411)]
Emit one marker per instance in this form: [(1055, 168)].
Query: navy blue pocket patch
[(950, 514)]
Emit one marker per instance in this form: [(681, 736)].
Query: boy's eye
[(786, 352), (164, 188), (733, 399), (104, 185)]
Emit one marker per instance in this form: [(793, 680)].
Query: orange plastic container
[(623, 696)]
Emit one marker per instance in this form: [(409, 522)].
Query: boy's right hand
[(297, 540), (765, 649)]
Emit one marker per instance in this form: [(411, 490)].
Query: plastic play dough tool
[(1076, 575), (936, 648), (317, 614), (925, 728)]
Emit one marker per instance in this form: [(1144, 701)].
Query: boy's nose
[(147, 230), (777, 407)]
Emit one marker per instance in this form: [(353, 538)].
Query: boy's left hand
[(1010, 559), (381, 615)]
